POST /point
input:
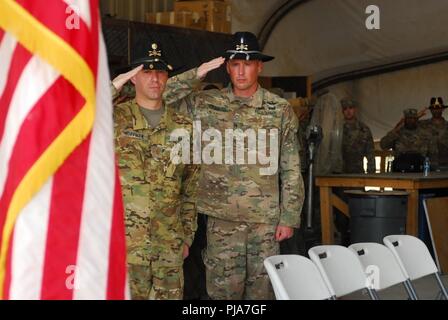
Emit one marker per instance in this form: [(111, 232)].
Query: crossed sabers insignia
[(154, 52), (242, 47)]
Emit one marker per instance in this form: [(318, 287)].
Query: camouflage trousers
[(155, 283), (234, 260)]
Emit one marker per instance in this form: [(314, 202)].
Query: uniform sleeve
[(181, 86), (113, 91), (388, 141), (188, 209), (291, 182), (370, 152)]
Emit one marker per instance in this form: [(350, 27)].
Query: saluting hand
[(209, 66), (121, 79)]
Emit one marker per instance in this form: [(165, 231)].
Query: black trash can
[(374, 215)]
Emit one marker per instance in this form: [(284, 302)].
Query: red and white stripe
[(68, 242)]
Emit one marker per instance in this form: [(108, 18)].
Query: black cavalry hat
[(437, 103), (150, 55), (245, 46)]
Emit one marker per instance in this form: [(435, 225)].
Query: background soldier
[(437, 128), (159, 195), (357, 141), (410, 139)]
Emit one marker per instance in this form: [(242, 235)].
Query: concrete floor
[(426, 287)]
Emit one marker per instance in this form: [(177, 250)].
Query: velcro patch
[(133, 134)]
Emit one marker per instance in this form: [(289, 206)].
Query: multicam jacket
[(239, 192), (357, 143), (159, 196), (410, 141)]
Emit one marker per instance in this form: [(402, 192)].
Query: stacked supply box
[(216, 15), (190, 20)]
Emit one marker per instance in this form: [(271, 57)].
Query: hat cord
[(247, 53)]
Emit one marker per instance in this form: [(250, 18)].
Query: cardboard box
[(177, 19), (218, 24), (217, 14)]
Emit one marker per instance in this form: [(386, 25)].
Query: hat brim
[(244, 56), (152, 64)]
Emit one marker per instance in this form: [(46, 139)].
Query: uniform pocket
[(168, 258)]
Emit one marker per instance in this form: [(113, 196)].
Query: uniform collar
[(138, 119), (256, 101), (354, 124)]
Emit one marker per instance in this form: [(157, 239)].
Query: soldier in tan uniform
[(251, 206), (159, 194), (410, 139), (437, 128), (357, 141)]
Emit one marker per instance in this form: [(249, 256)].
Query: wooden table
[(411, 182)]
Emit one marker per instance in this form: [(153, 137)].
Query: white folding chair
[(295, 277), (341, 270), (414, 258), (380, 261)]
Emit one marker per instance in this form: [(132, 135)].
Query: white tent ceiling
[(326, 37)]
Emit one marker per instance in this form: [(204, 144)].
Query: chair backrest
[(379, 262), (295, 277), (412, 255), (340, 267)]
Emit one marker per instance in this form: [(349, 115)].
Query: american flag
[(61, 211)]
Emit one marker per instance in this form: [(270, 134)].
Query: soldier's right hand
[(206, 67), (185, 251), (121, 79)]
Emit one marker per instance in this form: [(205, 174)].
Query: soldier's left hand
[(209, 66), (283, 233), (186, 251)]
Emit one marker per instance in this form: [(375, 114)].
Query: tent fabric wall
[(383, 98), (326, 37)]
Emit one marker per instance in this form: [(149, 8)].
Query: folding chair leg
[(373, 294), (410, 289), (441, 285)]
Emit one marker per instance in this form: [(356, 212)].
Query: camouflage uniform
[(244, 207), (159, 199), (357, 143), (410, 141), (438, 132)]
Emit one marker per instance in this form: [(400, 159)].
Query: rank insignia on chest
[(133, 134), (271, 106)]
